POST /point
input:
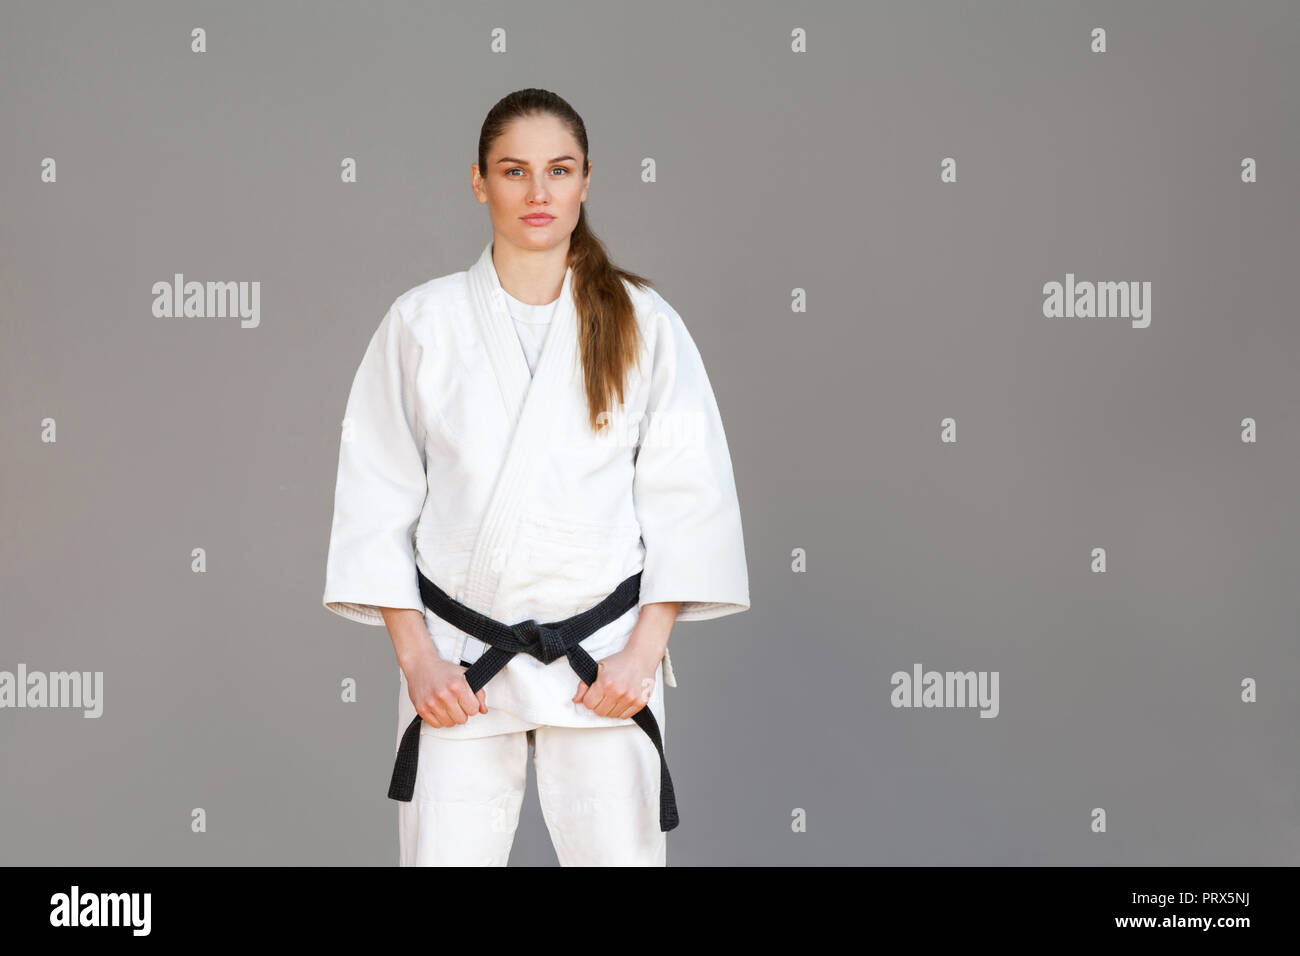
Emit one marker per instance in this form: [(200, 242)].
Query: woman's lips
[(538, 220)]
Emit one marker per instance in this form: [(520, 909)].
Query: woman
[(534, 439)]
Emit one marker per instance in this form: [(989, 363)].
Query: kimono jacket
[(455, 460)]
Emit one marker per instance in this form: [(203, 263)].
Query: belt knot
[(544, 641)]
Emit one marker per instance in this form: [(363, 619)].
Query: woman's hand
[(438, 688), (624, 682)]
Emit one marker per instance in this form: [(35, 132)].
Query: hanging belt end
[(401, 793)]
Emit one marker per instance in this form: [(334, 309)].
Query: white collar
[(518, 385)]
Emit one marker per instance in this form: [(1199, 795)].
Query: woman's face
[(534, 170)]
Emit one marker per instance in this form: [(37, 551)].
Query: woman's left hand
[(624, 682)]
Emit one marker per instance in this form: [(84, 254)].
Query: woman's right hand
[(438, 688)]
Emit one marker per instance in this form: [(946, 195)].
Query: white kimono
[(456, 461)]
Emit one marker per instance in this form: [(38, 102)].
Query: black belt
[(547, 643)]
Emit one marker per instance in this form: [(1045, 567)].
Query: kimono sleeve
[(381, 485), (683, 488)]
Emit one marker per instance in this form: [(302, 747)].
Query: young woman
[(534, 439)]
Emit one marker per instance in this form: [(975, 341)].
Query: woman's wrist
[(649, 638), (410, 636)]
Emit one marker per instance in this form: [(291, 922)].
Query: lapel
[(530, 408)]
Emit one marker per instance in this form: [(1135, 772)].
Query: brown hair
[(607, 331)]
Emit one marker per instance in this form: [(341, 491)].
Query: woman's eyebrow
[(523, 162)]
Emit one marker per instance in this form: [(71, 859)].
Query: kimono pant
[(598, 788)]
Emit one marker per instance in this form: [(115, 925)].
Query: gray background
[(775, 171)]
